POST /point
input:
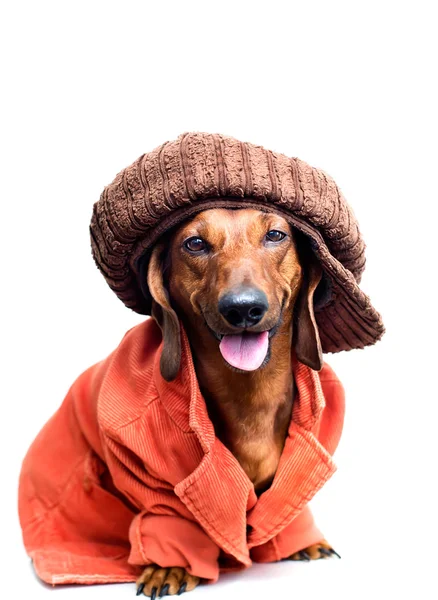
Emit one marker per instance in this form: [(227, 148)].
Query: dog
[(242, 282), (194, 448)]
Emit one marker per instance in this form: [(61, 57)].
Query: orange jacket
[(129, 472)]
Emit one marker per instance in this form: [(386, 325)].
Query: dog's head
[(238, 274)]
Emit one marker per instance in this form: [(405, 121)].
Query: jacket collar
[(218, 492)]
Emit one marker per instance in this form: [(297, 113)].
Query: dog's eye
[(195, 244), (275, 236)]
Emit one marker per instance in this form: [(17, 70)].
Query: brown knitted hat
[(203, 170)]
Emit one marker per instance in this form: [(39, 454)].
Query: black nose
[(243, 308)]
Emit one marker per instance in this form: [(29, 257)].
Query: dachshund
[(242, 282)]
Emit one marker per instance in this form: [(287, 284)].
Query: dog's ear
[(164, 314), (305, 333)]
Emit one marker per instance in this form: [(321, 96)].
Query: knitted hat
[(202, 170)]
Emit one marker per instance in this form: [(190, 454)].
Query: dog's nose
[(243, 308)]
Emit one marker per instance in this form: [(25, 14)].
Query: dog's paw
[(156, 581), (314, 552)]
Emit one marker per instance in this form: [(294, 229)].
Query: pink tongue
[(245, 351)]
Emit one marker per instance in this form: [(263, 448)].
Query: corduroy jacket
[(129, 472)]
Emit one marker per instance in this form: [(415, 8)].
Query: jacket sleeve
[(164, 531), (173, 541), (302, 531), (299, 534)]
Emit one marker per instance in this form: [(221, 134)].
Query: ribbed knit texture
[(202, 170)]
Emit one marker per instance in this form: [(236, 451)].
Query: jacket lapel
[(219, 493), (304, 467)]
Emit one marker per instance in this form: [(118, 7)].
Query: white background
[(348, 87)]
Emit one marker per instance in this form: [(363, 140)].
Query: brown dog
[(242, 282)]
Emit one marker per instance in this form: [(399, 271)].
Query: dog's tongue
[(245, 351)]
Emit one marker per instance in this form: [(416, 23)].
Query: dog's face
[(238, 274)]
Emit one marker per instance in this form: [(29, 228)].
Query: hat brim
[(345, 316)]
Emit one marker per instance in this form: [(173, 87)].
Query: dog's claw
[(140, 589), (182, 588), (327, 552), (304, 555), (164, 590)]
